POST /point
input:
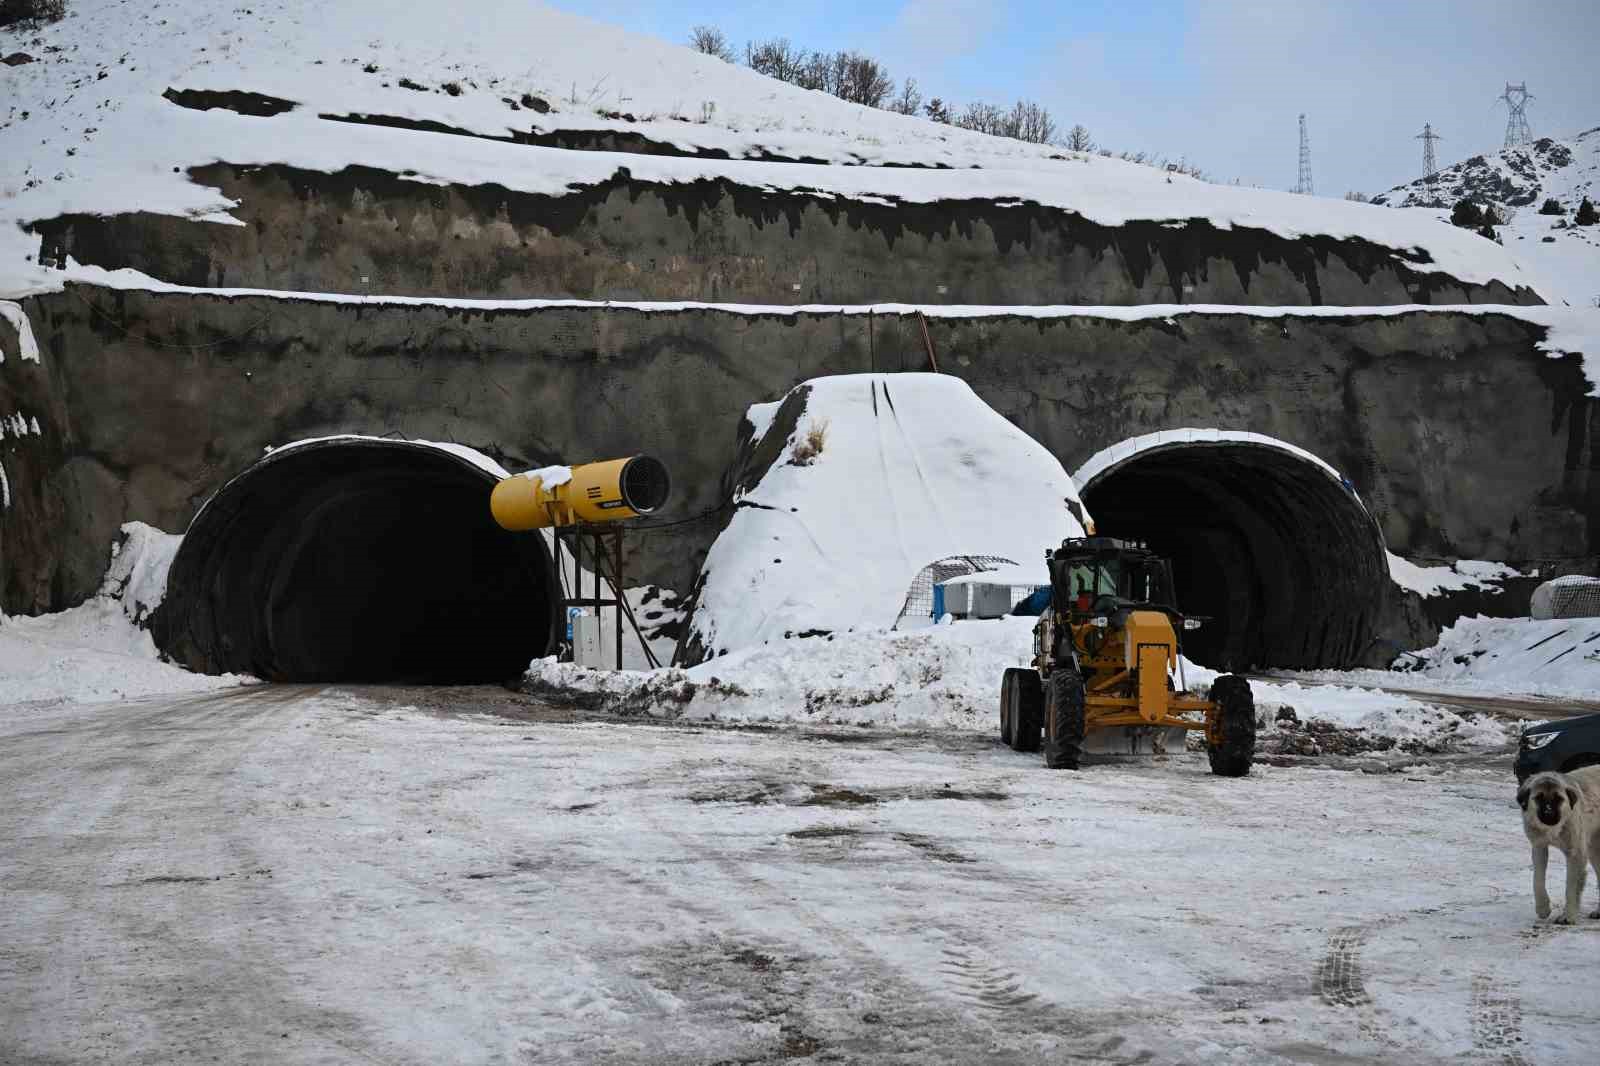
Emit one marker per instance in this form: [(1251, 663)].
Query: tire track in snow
[(989, 988), (1496, 1021), (1339, 978), (913, 1026)]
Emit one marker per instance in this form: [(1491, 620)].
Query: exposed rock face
[(1462, 438), (1515, 177), (363, 230)]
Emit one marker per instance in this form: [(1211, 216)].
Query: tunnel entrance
[(358, 559), (1267, 542)]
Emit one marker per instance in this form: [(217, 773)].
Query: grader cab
[(1106, 657)]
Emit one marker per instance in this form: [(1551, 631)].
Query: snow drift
[(100, 650), (853, 485)]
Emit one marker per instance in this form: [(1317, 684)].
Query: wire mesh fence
[(1574, 596), (919, 598)]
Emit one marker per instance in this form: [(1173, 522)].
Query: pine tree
[(1551, 207), (1467, 215), (1587, 215)]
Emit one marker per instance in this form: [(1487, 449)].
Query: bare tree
[(1078, 139), (909, 102), (860, 79), (1358, 197), (982, 118), (776, 58), (1027, 121), (708, 40), (815, 71)]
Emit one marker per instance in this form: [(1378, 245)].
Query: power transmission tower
[(1304, 185), (1427, 137), (1516, 99)]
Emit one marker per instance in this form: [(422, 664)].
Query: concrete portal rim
[(1264, 535), (252, 557), (1108, 460)]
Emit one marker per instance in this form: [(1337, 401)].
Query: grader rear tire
[(1236, 721), (1063, 720), (1019, 710), (1008, 697)]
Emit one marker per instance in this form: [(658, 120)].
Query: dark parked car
[(1562, 745)]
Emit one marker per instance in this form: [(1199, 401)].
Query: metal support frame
[(605, 544)]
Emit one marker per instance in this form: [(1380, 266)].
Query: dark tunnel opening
[(358, 560), (1274, 550)]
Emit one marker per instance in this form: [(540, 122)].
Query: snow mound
[(1557, 658), (878, 476), (948, 677), (137, 576), (943, 676), (98, 651)]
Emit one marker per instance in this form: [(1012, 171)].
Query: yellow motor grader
[(1106, 660)]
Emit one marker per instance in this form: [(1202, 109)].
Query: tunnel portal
[(1269, 544), (358, 560)]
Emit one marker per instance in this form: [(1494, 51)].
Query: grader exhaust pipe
[(557, 496)]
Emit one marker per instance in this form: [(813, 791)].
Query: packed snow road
[(300, 875)]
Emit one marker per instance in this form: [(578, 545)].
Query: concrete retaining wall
[(1462, 438)]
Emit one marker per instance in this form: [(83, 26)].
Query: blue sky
[(1219, 83)]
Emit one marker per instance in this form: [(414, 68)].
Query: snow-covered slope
[(1562, 258), (98, 650), (87, 126), (1555, 657), (908, 469)]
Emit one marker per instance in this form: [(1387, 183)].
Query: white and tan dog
[(1562, 811)]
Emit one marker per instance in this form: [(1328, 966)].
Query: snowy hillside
[(119, 101), (1562, 257)]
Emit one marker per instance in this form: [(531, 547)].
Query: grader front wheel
[(1231, 740), (1064, 722)]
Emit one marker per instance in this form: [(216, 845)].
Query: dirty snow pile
[(880, 476), (1561, 259), (945, 677), (1556, 657), (97, 651), (88, 127)]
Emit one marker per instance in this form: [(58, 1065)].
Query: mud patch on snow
[(932, 848), (824, 832), (791, 795)]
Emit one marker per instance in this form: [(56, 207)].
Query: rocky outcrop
[(363, 230)]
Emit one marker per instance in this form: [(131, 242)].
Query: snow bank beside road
[(947, 676), (97, 651), (1557, 657)]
